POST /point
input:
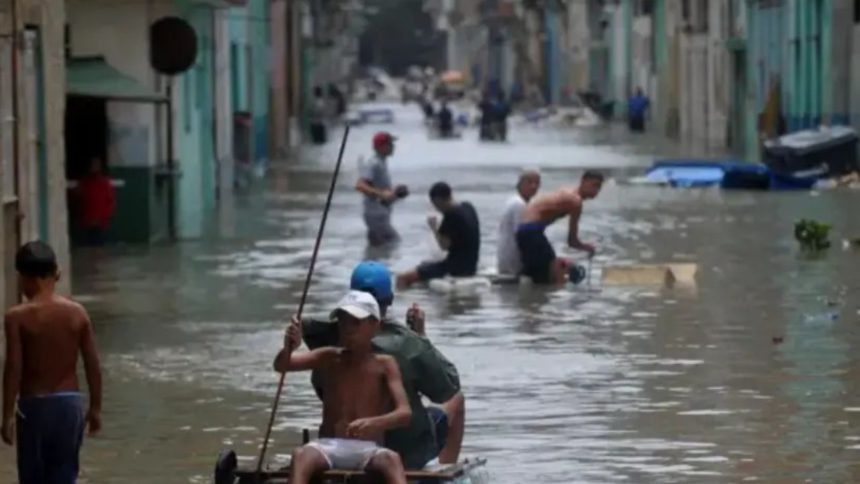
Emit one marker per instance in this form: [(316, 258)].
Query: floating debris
[(813, 236)]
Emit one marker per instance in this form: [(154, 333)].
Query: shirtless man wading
[(538, 257)]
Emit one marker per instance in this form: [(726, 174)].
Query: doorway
[(86, 134)]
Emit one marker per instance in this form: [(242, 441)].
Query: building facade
[(725, 74), (32, 100), (217, 111)]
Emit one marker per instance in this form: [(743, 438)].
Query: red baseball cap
[(383, 138)]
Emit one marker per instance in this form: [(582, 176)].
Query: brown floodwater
[(612, 384)]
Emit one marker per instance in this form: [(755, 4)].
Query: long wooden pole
[(304, 296)]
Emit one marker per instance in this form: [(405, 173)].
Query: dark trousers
[(95, 236), (318, 133), (637, 124), (49, 435)]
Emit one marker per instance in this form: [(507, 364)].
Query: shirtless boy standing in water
[(363, 397), (538, 257), (43, 339)]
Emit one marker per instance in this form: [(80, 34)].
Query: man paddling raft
[(538, 257), (434, 433), (362, 393)]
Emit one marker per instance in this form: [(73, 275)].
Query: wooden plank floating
[(651, 275), (440, 475)]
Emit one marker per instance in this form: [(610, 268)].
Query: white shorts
[(346, 454)]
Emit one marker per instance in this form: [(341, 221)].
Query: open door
[(86, 139)]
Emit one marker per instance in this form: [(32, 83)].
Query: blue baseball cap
[(373, 277)]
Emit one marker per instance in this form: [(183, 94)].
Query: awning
[(94, 77)]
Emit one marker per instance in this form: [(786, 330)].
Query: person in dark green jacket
[(435, 432)]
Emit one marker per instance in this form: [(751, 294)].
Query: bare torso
[(546, 209), (353, 390), (51, 334)]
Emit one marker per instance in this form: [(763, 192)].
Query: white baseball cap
[(358, 304)]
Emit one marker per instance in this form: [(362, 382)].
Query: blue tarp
[(726, 174)]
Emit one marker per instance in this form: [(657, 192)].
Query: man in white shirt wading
[(508, 256)]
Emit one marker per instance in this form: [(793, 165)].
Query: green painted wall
[(751, 141), (194, 140), (205, 93), (251, 68), (809, 68), (239, 57), (826, 67), (261, 77), (625, 50), (628, 50)]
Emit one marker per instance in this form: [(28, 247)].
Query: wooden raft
[(651, 275), (441, 475)]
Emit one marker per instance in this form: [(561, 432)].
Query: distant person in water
[(445, 121), (338, 99), (427, 108), (43, 409), (637, 108), (363, 396), (501, 111), (537, 255), (459, 234), (508, 260), (318, 114)]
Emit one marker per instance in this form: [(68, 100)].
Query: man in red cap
[(374, 183)]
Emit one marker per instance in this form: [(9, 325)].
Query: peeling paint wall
[(39, 162)]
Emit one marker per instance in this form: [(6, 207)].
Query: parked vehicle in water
[(833, 147)]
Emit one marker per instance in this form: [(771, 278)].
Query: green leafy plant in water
[(813, 236)]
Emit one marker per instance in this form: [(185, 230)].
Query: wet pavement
[(613, 385)]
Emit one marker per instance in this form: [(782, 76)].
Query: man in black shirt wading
[(459, 234)]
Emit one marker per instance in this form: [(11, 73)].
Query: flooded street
[(617, 385)]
